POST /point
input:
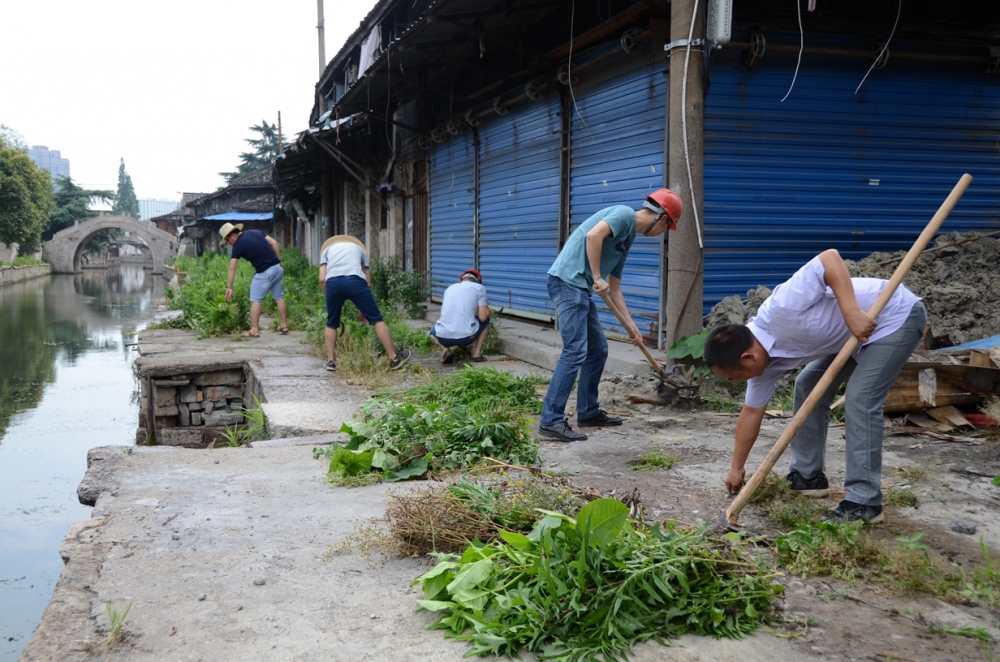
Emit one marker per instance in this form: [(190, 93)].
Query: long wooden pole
[(732, 513), (645, 350)]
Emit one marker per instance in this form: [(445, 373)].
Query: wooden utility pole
[(320, 28), (281, 141)]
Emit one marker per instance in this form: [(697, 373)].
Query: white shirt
[(801, 322), (460, 310), (344, 259)]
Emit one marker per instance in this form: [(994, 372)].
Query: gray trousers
[(868, 378)]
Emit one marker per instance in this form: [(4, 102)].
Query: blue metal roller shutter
[(828, 169), (452, 222), (617, 158), (519, 205)]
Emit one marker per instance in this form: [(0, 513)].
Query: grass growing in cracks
[(117, 620)]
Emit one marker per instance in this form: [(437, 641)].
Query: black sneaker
[(602, 419), (331, 366), (816, 487), (401, 358), (848, 511), (561, 431)]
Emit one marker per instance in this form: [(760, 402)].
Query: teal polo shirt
[(572, 265)]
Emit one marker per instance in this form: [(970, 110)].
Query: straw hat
[(227, 229), (340, 239)]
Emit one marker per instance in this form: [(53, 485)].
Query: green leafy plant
[(593, 587), (912, 543), (393, 285), (785, 507), (689, 351), (827, 548), (996, 481), (117, 621)]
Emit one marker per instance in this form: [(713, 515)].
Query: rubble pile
[(960, 285)]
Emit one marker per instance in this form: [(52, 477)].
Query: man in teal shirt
[(594, 257)]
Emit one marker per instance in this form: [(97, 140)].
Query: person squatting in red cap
[(465, 317), (596, 250)]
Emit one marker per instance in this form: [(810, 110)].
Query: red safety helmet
[(666, 202), (474, 272)]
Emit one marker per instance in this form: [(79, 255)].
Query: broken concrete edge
[(102, 464)]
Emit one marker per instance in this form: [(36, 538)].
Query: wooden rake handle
[(732, 513), (645, 350)]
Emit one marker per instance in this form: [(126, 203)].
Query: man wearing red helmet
[(596, 250), (465, 317)]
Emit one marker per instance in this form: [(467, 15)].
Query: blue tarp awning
[(236, 216), (985, 343)]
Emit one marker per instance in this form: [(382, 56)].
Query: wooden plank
[(980, 359), (921, 420), (927, 387), (949, 415)]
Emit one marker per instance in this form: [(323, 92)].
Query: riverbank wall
[(10, 275)]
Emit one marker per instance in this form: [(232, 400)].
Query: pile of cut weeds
[(448, 424)]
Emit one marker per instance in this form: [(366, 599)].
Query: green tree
[(11, 138), (72, 205), (25, 201), (265, 151), (125, 202)]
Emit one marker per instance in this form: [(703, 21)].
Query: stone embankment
[(10, 275)]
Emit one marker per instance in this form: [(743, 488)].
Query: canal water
[(66, 386)]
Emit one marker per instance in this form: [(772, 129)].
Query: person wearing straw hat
[(465, 317), (265, 255), (344, 276)]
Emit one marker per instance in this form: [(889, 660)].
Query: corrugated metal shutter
[(452, 183), (828, 169), (617, 158), (519, 205)]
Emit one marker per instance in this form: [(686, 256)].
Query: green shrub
[(395, 287)]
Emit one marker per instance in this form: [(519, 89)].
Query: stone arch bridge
[(66, 246)]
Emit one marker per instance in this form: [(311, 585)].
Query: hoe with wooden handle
[(730, 516), (645, 350)]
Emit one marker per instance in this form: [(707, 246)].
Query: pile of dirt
[(733, 310), (960, 285)]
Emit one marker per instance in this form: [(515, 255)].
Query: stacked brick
[(191, 409)]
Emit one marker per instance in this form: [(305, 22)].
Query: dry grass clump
[(780, 504), (991, 408), (448, 518), (435, 520)]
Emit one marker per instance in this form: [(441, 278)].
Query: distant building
[(180, 215), (49, 159), (150, 208)]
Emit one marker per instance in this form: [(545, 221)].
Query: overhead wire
[(802, 45), (569, 68), (884, 48), (684, 128)]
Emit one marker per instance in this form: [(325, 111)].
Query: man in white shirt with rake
[(806, 321)]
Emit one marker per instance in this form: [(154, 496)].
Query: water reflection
[(49, 319), (65, 387)]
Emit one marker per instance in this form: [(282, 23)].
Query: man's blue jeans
[(869, 378), (585, 350)]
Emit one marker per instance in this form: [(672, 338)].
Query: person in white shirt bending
[(344, 276), (806, 321), (465, 317)]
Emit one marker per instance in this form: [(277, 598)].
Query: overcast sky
[(171, 87)]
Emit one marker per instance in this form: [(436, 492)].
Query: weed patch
[(840, 550), (899, 497), (594, 586), (652, 461), (254, 427), (912, 473), (117, 620), (783, 506)]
